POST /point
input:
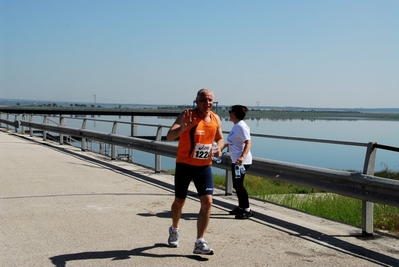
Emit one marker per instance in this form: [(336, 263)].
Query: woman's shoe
[(236, 211), (245, 214)]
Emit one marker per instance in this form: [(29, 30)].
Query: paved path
[(63, 207)]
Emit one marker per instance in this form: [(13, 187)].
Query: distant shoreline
[(316, 115), (253, 114), (40, 103)]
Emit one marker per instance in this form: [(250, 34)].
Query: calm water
[(333, 156)]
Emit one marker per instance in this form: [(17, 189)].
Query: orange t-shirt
[(195, 144)]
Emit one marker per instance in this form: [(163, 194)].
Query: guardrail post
[(229, 183), (62, 123), (1, 113), (22, 127), (7, 118), (113, 147), (83, 140), (367, 206), (30, 127), (133, 132), (158, 137), (133, 128), (44, 131), (16, 123)]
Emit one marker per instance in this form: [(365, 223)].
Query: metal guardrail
[(356, 185), (8, 122), (364, 186)]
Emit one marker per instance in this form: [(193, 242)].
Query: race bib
[(202, 151)]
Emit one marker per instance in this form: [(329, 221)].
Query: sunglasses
[(230, 111)]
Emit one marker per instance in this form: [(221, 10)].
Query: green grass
[(326, 205), (258, 186)]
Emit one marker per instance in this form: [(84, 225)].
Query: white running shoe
[(202, 248), (173, 239)]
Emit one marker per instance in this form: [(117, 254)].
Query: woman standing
[(239, 144)]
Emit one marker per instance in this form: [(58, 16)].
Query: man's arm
[(219, 135), (183, 121)]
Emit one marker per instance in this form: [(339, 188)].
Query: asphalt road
[(60, 206)]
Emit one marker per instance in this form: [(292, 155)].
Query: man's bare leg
[(176, 209), (204, 215)]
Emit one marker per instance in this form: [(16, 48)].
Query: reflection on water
[(333, 156)]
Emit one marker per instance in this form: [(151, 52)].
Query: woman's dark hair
[(239, 111)]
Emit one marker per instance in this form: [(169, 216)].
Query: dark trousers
[(238, 185)]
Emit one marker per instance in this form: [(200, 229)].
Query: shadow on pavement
[(113, 255)]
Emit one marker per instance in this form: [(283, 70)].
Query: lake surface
[(341, 157)]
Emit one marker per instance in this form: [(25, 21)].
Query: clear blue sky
[(307, 53)]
